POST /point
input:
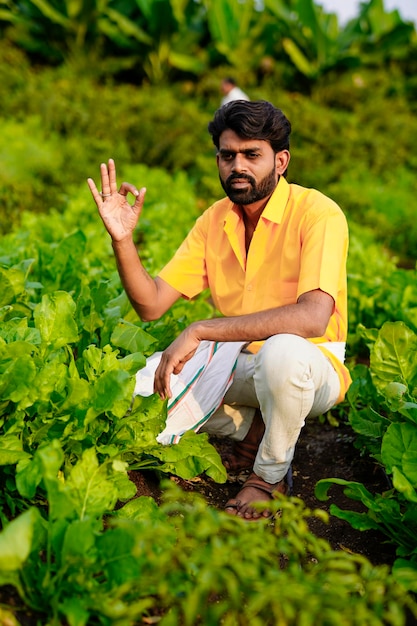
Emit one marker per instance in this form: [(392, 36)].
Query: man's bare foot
[(242, 456), (254, 490)]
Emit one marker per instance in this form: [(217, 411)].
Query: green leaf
[(128, 27), (28, 476), (75, 611), (190, 457), (11, 450), (50, 459), (131, 337), (12, 284), (113, 392), (298, 58), (48, 10), (68, 259), (399, 447), (143, 507), (138, 430), (409, 410), (353, 490), (91, 487), (394, 356), (79, 394), (16, 379), (16, 540), (54, 317), (186, 62), (405, 572), (51, 381), (17, 331), (360, 521), (132, 363), (403, 485), (368, 422), (117, 548), (126, 489), (79, 539), (92, 362)]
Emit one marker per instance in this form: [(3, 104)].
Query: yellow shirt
[(300, 244)]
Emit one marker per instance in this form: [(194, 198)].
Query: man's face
[(248, 169)]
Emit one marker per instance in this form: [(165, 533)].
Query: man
[(231, 91), (274, 257)]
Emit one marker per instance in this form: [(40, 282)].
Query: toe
[(232, 507)]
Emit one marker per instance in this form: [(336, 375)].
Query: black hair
[(258, 119)]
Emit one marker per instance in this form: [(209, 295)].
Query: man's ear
[(282, 159)]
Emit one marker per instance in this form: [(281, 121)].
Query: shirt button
[(249, 288)]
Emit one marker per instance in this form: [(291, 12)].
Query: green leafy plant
[(182, 562), (70, 346), (383, 412)]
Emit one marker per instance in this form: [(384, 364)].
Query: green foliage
[(25, 144), (385, 207), (160, 39), (70, 344), (379, 291), (205, 567), (154, 37), (383, 413), (346, 151)]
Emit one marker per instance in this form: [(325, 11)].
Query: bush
[(357, 150)]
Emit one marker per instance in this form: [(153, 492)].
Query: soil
[(323, 451)]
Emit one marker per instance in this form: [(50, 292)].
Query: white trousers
[(289, 379)]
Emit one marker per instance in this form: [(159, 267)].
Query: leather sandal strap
[(258, 483), (233, 504)]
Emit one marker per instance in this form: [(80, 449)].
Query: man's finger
[(94, 191), (126, 188), (105, 182), (180, 366), (112, 176), (161, 383)]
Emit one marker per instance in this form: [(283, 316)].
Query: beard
[(256, 191)]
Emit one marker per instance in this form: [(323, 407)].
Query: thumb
[(179, 367)]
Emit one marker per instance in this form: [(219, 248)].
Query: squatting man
[(273, 255)]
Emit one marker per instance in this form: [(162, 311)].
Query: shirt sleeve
[(324, 251), (186, 271)]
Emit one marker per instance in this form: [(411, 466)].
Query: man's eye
[(253, 155), (227, 156)]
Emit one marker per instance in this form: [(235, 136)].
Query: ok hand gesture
[(119, 217)]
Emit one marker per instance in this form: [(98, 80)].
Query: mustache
[(240, 177)]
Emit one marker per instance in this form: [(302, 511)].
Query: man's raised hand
[(119, 217)]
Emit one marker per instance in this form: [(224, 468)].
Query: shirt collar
[(275, 208)]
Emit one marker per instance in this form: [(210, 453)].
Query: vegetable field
[(138, 82)]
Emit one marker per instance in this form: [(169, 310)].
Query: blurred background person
[(231, 91)]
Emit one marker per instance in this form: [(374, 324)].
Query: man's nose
[(239, 163)]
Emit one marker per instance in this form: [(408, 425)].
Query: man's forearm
[(308, 318), (138, 284)]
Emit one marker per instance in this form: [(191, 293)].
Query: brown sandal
[(241, 509)]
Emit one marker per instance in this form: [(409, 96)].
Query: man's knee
[(284, 357)]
